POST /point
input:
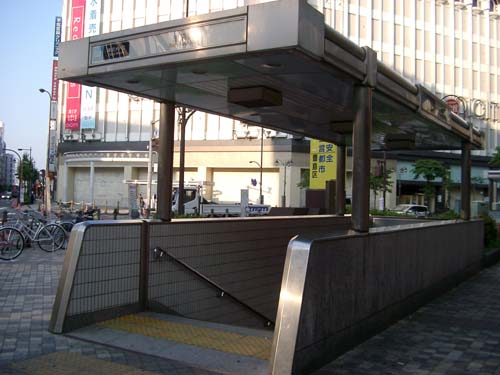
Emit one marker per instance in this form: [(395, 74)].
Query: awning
[(274, 64)]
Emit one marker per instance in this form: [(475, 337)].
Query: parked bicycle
[(67, 219), (49, 237), (11, 243)]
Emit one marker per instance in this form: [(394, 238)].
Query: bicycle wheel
[(58, 234), (11, 243), (45, 240), (67, 226)]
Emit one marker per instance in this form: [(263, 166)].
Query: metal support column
[(144, 269), (491, 186), (182, 159), (65, 182), (340, 193), (330, 197), (495, 194), (91, 183), (466, 181), (166, 160), (361, 140)]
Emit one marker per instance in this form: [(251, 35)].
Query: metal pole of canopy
[(340, 193), (361, 140), (166, 160), (466, 181)]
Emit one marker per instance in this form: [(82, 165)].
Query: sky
[(27, 40)]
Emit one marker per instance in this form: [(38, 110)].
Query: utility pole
[(184, 115)]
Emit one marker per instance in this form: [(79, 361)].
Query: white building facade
[(450, 47), (7, 162)]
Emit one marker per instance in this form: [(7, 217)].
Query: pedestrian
[(142, 205)]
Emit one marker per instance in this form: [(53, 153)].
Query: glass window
[(189, 195), (484, 52), (465, 50), (399, 35), (362, 27), (225, 128), (407, 37), (428, 41), (397, 64), (458, 78), (398, 10), (215, 5), (420, 40), (212, 127), (439, 44), (429, 71), (458, 46), (353, 25), (408, 67), (420, 15), (418, 73), (448, 75), (409, 9), (447, 46), (376, 30), (386, 32)]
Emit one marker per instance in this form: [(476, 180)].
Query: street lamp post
[(285, 165), (261, 197), (184, 114), (20, 173), (31, 171), (47, 178), (150, 166)]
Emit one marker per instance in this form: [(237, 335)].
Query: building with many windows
[(450, 47), (7, 163)]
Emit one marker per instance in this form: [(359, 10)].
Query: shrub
[(376, 212), (448, 215), (490, 230)]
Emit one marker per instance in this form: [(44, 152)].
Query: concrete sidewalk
[(27, 291), (458, 333)]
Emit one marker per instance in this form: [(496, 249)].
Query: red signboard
[(74, 89), (453, 104), (55, 82)]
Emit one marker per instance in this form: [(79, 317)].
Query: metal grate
[(108, 269)]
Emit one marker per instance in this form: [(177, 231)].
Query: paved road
[(457, 334)]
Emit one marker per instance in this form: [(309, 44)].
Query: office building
[(450, 47)]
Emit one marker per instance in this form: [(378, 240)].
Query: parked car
[(416, 210), (6, 195)]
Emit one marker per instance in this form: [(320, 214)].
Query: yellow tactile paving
[(258, 347), (64, 363)]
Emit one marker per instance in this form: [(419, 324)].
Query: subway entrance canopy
[(274, 64)]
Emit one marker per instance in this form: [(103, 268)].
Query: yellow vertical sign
[(322, 163)]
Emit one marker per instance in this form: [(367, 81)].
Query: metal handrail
[(222, 291)]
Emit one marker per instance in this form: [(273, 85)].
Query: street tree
[(377, 183), (495, 158), (430, 169), (29, 171)]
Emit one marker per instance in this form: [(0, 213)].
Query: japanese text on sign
[(323, 163)]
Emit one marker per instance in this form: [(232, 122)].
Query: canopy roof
[(274, 64)]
